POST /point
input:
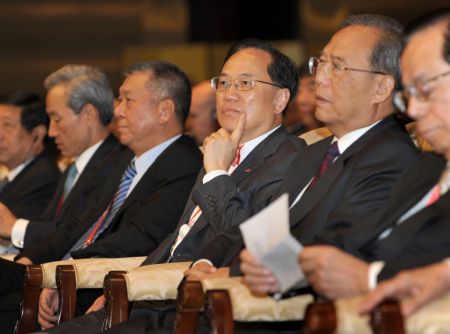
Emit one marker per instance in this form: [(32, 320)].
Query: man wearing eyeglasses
[(343, 180), (244, 163), (426, 73), (412, 230)]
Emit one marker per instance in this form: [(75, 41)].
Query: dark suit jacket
[(85, 191), (31, 190), (355, 187), (227, 200), (421, 239), (148, 214)]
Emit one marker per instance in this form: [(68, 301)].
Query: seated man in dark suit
[(412, 230), (144, 196), (74, 91), (33, 175), (252, 93), (342, 180)]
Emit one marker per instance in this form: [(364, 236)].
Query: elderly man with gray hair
[(80, 106)]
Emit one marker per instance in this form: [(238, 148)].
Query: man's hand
[(334, 273), (219, 148), (25, 261), (7, 221), (204, 270), (414, 288), (258, 278), (48, 306), (98, 304)]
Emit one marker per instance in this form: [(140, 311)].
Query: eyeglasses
[(315, 64), (241, 82), (420, 89)]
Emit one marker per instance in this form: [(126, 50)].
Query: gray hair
[(385, 55), (170, 82), (85, 84)]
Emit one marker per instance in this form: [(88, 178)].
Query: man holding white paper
[(344, 179)]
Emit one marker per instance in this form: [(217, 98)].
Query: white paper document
[(267, 236)]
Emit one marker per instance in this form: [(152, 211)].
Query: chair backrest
[(315, 135)]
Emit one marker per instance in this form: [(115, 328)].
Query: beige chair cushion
[(248, 307), (315, 135), (431, 319), (156, 281), (89, 272), (8, 257)]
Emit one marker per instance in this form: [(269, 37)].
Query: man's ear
[(384, 89), (90, 112), (281, 99), (166, 110), (38, 134)]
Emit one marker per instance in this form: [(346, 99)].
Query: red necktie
[(237, 157)]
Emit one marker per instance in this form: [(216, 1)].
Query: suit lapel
[(257, 157), (305, 166), (88, 173), (403, 233), (409, 194)]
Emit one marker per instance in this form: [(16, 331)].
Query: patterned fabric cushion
[(156, 281), (248, 307), (89, 272)]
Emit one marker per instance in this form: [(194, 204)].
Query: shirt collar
[(249, 146), (146, 159), (349, 138)]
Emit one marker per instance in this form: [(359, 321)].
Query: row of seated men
[(345, 191)]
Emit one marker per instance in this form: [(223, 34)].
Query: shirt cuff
[(18, 232), (203, 260), (213, 174), (374, 269)]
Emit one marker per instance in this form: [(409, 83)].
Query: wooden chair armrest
[(341, 316), (115, 292), (29, 305), (152, 282), (190, 301)]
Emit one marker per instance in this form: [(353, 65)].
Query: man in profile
[(80, 106)]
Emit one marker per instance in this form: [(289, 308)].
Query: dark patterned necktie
[(330, 156)]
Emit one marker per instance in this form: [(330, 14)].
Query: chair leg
[(115, 292), (30, 300), (219, 311), (320, 318), (190, 301), (67, 291), (386, 318)]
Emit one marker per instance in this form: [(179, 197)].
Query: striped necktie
[(108, 215)]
